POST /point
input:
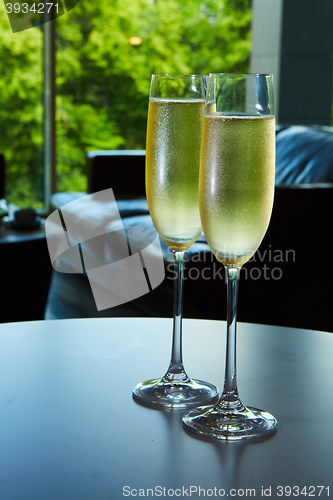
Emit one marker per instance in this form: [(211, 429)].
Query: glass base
[(213, 423), (160, 393)]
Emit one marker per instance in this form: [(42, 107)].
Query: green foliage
[(21, 112), (103, 81)]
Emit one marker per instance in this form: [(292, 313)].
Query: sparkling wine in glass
[(175, 113), (236, 190)]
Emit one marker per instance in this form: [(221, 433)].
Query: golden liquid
[(172, 169), (236, 187)]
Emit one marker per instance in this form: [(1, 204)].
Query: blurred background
[(104, 54), (74, 94)]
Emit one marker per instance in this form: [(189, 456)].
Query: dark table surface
[(12, 235), (69, 428)]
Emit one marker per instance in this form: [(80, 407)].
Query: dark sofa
[(289, 280)]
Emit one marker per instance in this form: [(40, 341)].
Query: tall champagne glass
[(175, 113), (236, 190)]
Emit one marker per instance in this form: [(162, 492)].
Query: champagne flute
[(236, 190), (175, 113)]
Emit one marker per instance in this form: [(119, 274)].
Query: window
[(106, 52)]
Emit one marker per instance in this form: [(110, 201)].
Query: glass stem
[(230, 399), (176, 372)]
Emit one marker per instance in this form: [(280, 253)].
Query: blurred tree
[(103, 78)]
